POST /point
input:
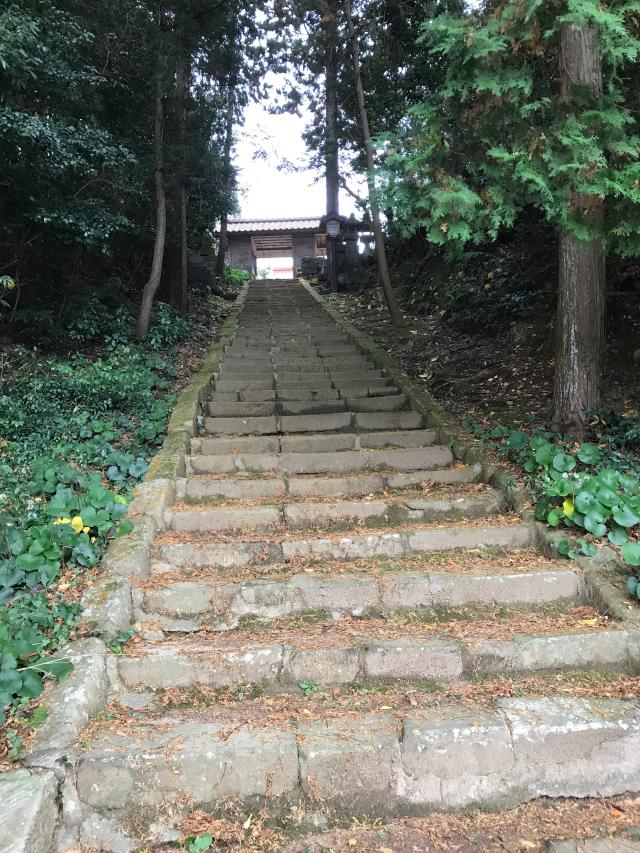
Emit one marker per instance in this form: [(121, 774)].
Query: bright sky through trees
[(266, 189)]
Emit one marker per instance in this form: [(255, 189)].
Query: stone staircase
[(327, 576)]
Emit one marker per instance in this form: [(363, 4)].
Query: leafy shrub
[(167, 327), (68, 427), (235, 275), (591, 490)]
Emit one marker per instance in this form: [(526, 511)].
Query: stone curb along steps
[(297, 460)]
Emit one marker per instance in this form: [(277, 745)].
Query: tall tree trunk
[(332, 172), (177, 250), (228, 144), (580, 339), (153, 281), (381, 254)]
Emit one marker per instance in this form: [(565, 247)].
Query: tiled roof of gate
[(299, 223)]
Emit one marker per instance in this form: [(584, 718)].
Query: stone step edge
[(442, 660), (430, 457), (222, 605), (460, 758), (294, 424), (429, 439), (351, 547), (321, 514), (292, 485)]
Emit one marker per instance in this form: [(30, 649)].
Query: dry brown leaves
[(526, 828)]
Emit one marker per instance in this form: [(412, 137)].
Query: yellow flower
[(568, 508), (10, 283), (62, 521), (77, 523), (86, 529)]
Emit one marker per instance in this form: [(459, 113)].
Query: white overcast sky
[(266, 191)]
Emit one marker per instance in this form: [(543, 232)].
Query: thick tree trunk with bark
[(153, 282), (381, 254), (228, 143), (580, 339)]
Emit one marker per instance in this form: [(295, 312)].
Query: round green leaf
[(32, 685), (588, 549), (632, 584), (563, 462), (589, 454), (594, 524), (629, 483), (554, 517), (624, 516), (631, 553), (608, 497), (609, 477), (544, 454), (584, 501), (517, 440), (617, 535)]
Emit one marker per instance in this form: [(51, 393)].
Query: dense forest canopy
[(473, 123)]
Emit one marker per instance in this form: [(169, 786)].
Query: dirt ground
[(507, 377)]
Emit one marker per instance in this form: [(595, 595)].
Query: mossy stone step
[(457, 758)]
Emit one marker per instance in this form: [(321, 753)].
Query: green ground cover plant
[(591, 488), (76, 432)]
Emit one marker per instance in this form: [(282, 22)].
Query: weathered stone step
[(242, 426), (398, 459), (346, 547), (445, 660), (456, 758), (222, 604), (354, 486), (259, 395), (310, 443), (317, 515)]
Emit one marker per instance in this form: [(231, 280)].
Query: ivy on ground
[(75, 435), (592, 489)]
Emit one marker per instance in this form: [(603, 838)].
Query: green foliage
[(495, 136), (235, 275), (71, 426), (167, 327), (117, 645), (589, 488), (204, 841), (309, 687)]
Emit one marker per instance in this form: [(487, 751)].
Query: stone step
[(356, 441), (242, 426), (251, 409), (354, 486), (335, 422), (318, 515), (259, 395), (221, 605), (307, 394), (398, 459), (238, 659), (388, 403), (312, 406), (182, 555), (247, 385), (460, 757)]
